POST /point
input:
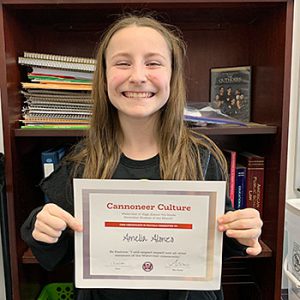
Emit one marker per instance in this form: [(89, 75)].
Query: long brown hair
[(179, 153)]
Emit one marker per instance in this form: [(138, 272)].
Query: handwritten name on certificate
[(148, 234)]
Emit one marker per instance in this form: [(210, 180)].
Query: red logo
[(147, 266)]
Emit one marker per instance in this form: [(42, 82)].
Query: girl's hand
[(244, 225), (51, 221)]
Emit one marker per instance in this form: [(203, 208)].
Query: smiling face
[(138, 72)]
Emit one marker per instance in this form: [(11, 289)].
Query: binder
[(50, 159)]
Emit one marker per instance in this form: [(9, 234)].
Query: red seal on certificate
[(147, 266)]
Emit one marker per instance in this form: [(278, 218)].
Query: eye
[(153, 64), (122, 64)]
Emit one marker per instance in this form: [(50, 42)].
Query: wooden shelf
[(29, 258), (266, 252), (252, 128), (215, 33), (48, 132)]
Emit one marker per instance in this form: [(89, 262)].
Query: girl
[(137, 131)]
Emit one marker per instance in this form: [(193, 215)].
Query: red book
[(230, 156), (255, 165)]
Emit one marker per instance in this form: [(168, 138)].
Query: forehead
[(137, 37)]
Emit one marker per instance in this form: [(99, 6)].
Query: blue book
[(50, 159), (240, 187)]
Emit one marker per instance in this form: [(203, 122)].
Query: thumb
[(255, 249), (71, 222)]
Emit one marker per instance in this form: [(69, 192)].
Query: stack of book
[(58, 91), (246, 179)]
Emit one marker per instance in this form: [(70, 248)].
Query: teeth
[(138, 94)]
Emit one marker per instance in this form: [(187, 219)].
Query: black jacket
[(58, 188)]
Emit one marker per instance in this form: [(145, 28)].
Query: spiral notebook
[(55, 57), (57, 64), (57, 86)]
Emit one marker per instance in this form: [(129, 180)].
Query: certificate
[(148, 234)]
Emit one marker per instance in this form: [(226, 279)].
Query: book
[(57, 95), (57, 86), (230, 91), (230, 156), (56, 64), (255, 165), (51, 78), (240, 187), (57, 72), (56, 126), (55, 57), (53, 119), (50, 159)]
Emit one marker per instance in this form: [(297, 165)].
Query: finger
[(42, 237), (244, 234), (254, 250), (246, 213), (72, 222), (46, 229), (241, 224), (44, 217)]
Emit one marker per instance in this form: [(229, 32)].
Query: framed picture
[(230, 91)]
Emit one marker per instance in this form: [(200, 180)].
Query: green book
[(57, 126)]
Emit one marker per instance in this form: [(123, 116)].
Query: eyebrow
[(150, 54)]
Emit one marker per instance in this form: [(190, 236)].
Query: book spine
[(232, 173), (58, 126), (240, 187), (50, 159), (255, 179), (256, 188), (65, 58), (230, 156)]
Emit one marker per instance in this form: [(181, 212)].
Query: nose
[(138, 75)]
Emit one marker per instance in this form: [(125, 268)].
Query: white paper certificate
[(148, 234)]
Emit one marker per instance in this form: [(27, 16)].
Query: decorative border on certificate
[(147, 214), (86, 236)]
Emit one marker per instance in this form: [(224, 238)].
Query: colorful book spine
[(55, 126), (230, 156), (240, 187), (255, 179)]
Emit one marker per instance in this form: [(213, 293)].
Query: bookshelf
[(218, 34), (208, 130)]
